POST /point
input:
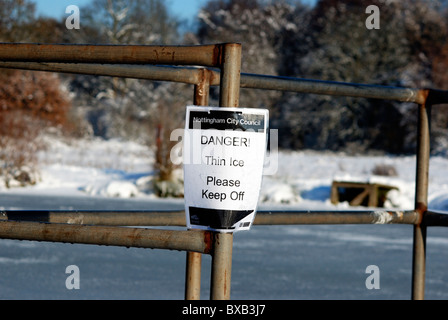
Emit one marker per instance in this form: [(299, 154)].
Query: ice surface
[(269, 262)]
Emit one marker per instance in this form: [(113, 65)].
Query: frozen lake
[(269, 262)]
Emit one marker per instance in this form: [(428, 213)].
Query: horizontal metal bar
[(205, 55), (252, 81), (146, 72), (195, 241), (335, 217), (109, 218), (334, 88), (177, 218)]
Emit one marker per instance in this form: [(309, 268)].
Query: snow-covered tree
[(131, 22), (260, 27), (341, 48), (330, 41), (145, 111), (117, 106)]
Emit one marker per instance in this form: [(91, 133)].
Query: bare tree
[(29, 101), (15, 20)]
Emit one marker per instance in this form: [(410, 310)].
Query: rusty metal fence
[(203, 67)]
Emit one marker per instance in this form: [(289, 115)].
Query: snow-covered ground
[(305, 178), (302, 179)]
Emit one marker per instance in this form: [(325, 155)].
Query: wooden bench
[(360, 193)]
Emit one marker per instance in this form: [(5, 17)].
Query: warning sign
[(224, 151)]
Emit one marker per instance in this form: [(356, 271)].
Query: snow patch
[(381, 217), (117, 189), (279, 193)]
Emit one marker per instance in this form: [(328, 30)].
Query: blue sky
[(56, 8), (184, 9)]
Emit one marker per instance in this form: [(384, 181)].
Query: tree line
[(326, 41)]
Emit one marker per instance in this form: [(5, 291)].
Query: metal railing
[(168, 63)]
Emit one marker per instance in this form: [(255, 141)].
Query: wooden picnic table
[(360, 193)]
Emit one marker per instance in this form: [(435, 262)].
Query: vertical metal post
[(202, 89), (221, 266), (223, 242), (421, 202), (194, 259), (193, 276), (230, 75)]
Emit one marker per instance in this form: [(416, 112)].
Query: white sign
[(224, 150)]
